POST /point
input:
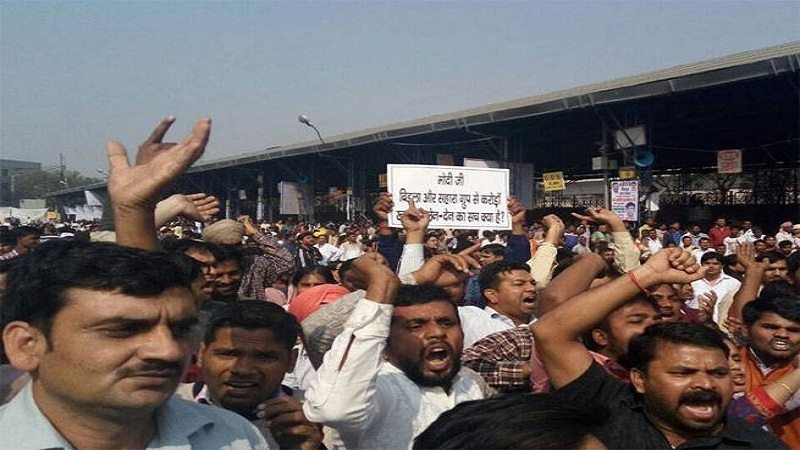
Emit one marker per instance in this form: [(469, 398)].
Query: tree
[(37, 183)]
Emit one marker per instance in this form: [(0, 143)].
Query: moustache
[(700, 397), (167, 369)]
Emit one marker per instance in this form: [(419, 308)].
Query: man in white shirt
[(784, 232), (395, 367), (351, 248), (704, 248), (330, 253), (510, 294), (723, 285)]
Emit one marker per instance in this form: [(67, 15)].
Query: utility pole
[(63, 169)]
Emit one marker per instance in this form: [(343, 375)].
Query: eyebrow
[(187, 321)]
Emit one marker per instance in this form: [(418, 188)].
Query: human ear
[(600, 338), (637, 380), (200, 353), (491, 296), (24, 345)]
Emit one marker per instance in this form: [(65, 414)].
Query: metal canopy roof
[(742, 66)]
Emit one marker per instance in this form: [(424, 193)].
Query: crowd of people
[(182, 330)]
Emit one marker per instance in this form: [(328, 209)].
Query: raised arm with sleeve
[(541, 264), (557, 332), (415, 223), (517, 247), (343, 395), (626, 255), (388, 242), (267, 267), (135, 189), (751, 284)]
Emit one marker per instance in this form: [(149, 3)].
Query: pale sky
[(75, 74)]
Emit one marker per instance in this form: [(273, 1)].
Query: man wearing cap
[(330, 253), (784, 233), (307, 255)]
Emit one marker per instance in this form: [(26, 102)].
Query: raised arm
[(199, 207), (343, 394), (135, 190), (415, 223), (753, 274), (542, 262), (517, 248), (626, 255), (572, 281), (556, 334)]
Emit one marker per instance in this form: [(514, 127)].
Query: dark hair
[(494, 249), (24, 230), (409, 295), (512, 421), (605, 324), (224, 253), (489, 276), (785, 306), (772, 257), (254, 315), (785, 243), (7, 237), (319, 270), (642, 349), (38, 282), (708, 256)]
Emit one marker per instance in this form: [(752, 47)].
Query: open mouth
[(780, 345), (701, 411), (529, 300), (438, 358)]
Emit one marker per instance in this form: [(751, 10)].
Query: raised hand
[(602, 216), (517, 211), (199, 207), (249, 228), (158, 164), (415, 220), (286, 422), (135, 190), (383, 207), (442, 270), (671, 265)]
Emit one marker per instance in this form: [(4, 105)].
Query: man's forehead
[(435, 308), (688, 355), (238, 337), (777, 319), (176, 302), (517, 274)]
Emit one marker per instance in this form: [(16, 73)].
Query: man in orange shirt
[(772, 327)]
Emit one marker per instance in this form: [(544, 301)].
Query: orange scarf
[(785, 426)]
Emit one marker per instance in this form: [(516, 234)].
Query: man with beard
[(772, 328), (680, 382), (395, 367)]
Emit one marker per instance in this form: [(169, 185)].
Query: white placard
[(456, 197)]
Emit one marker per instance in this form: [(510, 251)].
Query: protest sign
[(455, 197), (625, 199)]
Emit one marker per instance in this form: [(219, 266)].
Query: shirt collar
[(24, 422)]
